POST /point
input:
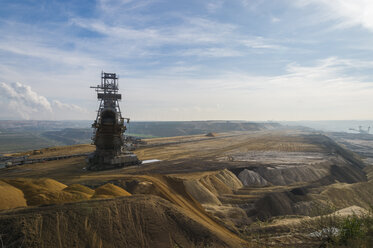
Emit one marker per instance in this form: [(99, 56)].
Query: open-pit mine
[(234, 189)]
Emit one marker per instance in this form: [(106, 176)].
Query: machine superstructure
[(109, 128)]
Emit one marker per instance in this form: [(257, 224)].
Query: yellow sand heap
[(11, 197), (211, 135), (39, 191), (109, 191), (22, 192), (79, 188)]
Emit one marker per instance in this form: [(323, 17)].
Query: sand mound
[(201, 193), (207, 188), (11, 197), (16, 192), (229, 179), (345, 195), (77, 188), (79, 192), (295, 222), (39, 191), (353, 210), (211, 135), (251, 178), (109, 191), (48, 191), (230, 216), (285, 175), (31, 185), (210, 189), (281, 203)]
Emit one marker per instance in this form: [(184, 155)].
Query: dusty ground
[(218, 180)]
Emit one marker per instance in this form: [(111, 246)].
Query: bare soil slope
[(135, 221)]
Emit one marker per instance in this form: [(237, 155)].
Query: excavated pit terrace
[(227, 181)]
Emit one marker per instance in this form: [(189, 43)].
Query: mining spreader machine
[(109, 128)]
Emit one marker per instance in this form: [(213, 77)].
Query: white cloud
[(20, 101), (192, 31), (213, 6), (69, 107), (216, 52), (260, 43), (24, 99), (319, 91), (61, 60), (346, 12), (275, 19), (32, 47), (114, 6), (199, 36)]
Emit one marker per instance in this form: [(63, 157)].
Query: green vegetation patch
[(355, 230)]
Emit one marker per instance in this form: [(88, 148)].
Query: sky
[(253, 60)]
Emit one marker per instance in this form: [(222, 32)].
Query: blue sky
[(189, 60)]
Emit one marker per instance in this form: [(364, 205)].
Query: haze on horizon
[(189, 60)]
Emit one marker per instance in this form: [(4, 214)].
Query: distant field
[(16, 136), (21, 141), (144, 136), (181, 128)]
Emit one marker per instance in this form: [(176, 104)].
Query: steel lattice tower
[(109, 128)]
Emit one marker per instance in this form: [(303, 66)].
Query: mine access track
[(7, 162)]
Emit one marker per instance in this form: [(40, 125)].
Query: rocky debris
[(251, 178)]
